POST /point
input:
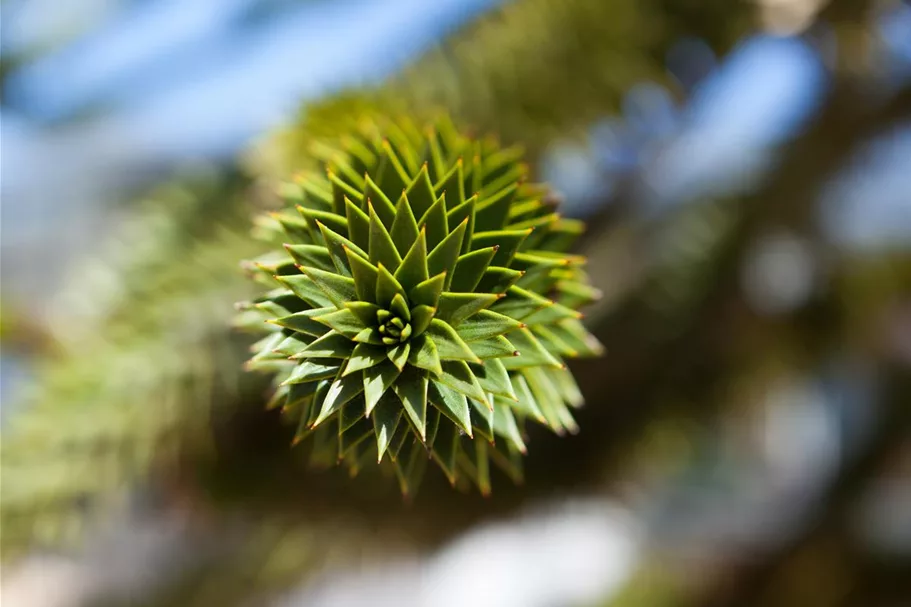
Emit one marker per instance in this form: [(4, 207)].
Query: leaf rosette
[(422, 304)]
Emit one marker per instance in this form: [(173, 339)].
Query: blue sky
[(149, 85), (760, 97), (153, 84), (171, 67)]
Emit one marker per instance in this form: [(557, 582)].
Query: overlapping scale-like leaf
[(422, 295)]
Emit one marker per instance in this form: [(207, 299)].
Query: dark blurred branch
[(759, 583), (845, 11), (698, 355), (788, 199)]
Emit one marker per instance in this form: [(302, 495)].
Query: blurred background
[(744, 169)]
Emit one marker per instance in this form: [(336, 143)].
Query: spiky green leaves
[(426, 300)]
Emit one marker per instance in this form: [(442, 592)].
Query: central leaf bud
[(394, 323), (395, 329)]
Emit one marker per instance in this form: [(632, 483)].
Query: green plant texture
[(421, 304)]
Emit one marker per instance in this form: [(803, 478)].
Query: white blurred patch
[(780, 274), (571, 555), (45, 582), (124, 559), (573, 171), (800, 434), (789, 17)]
